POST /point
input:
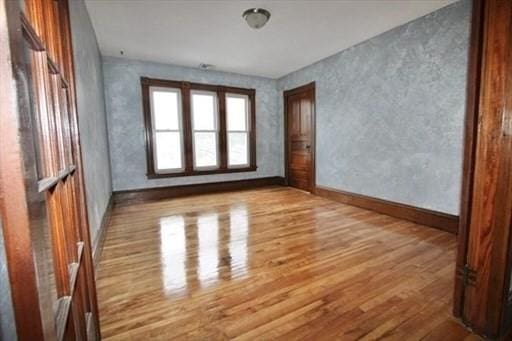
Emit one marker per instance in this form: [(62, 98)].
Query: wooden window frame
[(186, 89), (246, 131), (180, 130), (216, 129)]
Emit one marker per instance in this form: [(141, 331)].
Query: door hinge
[(467, 275)]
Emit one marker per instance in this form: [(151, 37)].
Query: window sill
[(201, 172)]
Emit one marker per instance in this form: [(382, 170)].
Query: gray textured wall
[(91, 114), (126, 128), (390, 112), (7, 323)]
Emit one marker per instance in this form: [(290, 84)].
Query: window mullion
[(223, 146), (252, 130), (187, 127)]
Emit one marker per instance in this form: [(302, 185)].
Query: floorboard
[(273, 263)]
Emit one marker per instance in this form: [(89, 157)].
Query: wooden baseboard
[(102, 232), (158, 193), (443, 221)]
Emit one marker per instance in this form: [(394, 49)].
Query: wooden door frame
[(483, 77), (306, 87), (470, 135)]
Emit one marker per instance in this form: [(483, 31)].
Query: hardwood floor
[(273, 263)]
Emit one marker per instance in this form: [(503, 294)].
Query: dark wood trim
[(186, 88), (443, 221), (99, 241), (470, 133), (307, 87), (489, 241), (223, 139), (252, 132), (146, 108), (194, 86), (187, 135), (30, 34), (68, 69), (34, 104), (200, 172), (152, 194), (298, 90)]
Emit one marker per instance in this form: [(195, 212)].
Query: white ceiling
[(192, 32)]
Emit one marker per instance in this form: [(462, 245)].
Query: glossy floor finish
[(273, 263)]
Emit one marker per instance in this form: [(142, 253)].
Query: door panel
[(299, 104), (46, 232)]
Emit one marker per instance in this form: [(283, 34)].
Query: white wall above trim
[(192, 32)]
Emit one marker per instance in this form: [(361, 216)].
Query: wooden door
[(299, 137), (45, 223), (483, 292)]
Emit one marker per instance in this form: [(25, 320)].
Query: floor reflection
[(239, 226), (173, 254), (208, 233), (198, 251)]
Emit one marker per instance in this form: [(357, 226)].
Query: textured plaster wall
[(126, 127), (390, 112), (91, 114)]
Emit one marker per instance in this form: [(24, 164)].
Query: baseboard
[(443, 221), (158, 193), (102, 232)]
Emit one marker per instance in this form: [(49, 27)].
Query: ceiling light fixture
[(256, 17), (204, 66)]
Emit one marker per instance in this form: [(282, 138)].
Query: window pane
[(168, 150), (165, 110), (237, 149), (203, 111), (205, 149), (237, 113)]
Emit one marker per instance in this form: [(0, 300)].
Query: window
[(166, 120), (194, 129), (205, 128), (237, 109)]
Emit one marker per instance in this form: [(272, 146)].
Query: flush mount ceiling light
[(256, 17), (204, 66)]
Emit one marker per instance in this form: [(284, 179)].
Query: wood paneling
[(43, 204), (443, 221), (157, 193), (273, 264), (16, 221)]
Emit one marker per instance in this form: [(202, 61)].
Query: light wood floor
[(273, 263)]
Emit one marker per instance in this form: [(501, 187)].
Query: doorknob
[(308, 146)]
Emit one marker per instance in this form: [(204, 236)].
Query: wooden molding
[(443, 221), (150, 194), (99, 241), (470, 133)]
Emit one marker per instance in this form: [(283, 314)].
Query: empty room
[(255, 170)]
